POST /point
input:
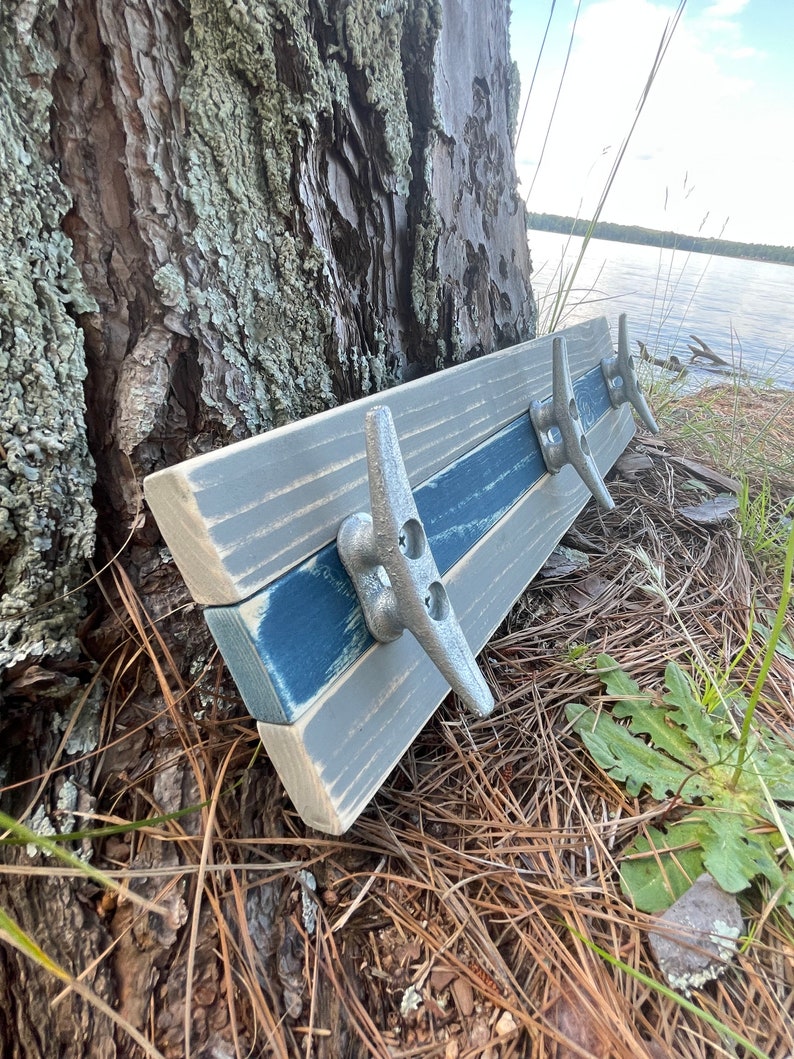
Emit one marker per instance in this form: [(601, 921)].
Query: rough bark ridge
[(29, 1024), (217, 217), (46, 475)]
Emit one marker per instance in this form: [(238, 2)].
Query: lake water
[(743, 310)]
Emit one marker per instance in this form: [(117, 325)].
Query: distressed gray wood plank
[(335, 756), (267, 640), (238, 518)]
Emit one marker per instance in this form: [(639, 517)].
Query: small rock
[(711, 512), (479, 1037), (464, 996), (699, 935), (564, 561), (579, 1033), (441, 977), (505, 1024)]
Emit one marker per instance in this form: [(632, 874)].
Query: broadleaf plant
[(731, 800)]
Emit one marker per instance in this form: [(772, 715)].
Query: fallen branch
[(706, 352), (671, 363)]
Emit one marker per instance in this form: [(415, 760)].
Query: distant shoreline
[(624, 233)]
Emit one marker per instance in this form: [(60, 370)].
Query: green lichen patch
[(298, 130), (426, 285), (260, 303), (373, 36), (46, 473)]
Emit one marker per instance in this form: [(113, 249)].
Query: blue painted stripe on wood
[(286, 643)]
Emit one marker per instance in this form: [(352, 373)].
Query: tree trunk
[(217, 217)]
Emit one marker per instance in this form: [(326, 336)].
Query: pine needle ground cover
[(481, 906)]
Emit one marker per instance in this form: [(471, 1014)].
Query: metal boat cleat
[(560, 416), (308, 595), (621, 378), (393, 571)]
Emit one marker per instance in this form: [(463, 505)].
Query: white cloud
[(738, 54), (725, 8), (706, 115)]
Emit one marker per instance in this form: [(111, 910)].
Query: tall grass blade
[(14, 935), (670, 994), (664, 44)]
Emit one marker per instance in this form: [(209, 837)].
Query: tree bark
[(217, 217)]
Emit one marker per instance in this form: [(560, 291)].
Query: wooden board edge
[(205, 574)]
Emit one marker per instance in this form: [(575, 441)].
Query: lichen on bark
[(373, 36), (46, 473), (277, 205), (266, 219), (255, 299)]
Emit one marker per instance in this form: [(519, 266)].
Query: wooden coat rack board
[(460, 485)]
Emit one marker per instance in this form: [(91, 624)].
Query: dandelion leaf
[(777, 768), (787, 818), (693, 753), (645, 718), (787, 896), (626, 758), (784, 646), (731, 854), (650, 720), (617, 682), (689, 712), (661, 866)]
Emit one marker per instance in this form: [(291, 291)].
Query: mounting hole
[(553, 436), (573, 411), (585, 447), (437, 601), (411, 539)]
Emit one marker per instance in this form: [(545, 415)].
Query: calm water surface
[(743, 310)]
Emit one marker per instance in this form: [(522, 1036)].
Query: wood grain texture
[(286, 644), (337, 754), (238, 518)]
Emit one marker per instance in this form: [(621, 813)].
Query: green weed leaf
[(727, 852), (777, 768), (627, 759), (689, 712), (661, 866), (784, 646), (787, 896), (618, 683), (678, 747)]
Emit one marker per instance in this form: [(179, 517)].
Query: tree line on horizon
[(626, 233)]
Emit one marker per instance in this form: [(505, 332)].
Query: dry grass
[(742, 429), (485, 869)]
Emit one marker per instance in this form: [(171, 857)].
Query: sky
[(713, 150)]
